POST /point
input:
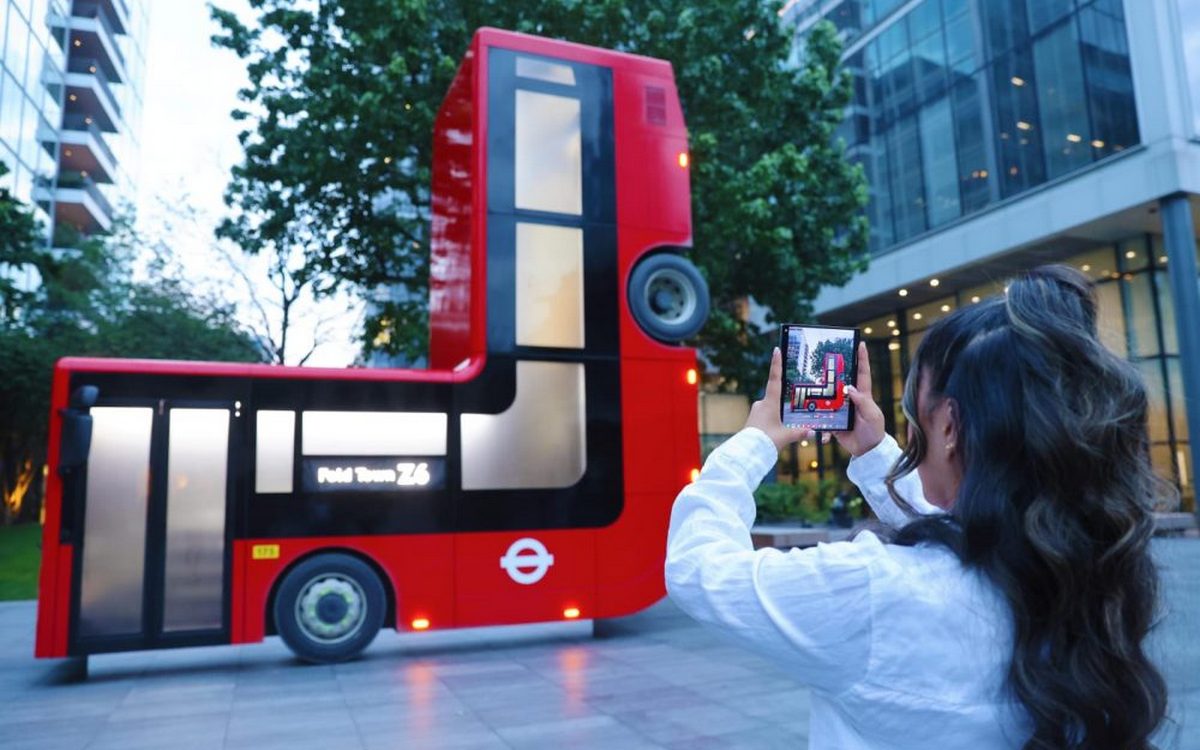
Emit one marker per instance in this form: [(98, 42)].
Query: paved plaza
[(654, 680)]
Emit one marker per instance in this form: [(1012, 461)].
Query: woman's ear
[(949, 428)]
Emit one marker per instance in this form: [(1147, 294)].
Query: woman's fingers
[(775, 379), (863, 381)]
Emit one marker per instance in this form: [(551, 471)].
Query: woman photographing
[(1007, 603)]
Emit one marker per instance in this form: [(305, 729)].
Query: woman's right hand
[(868, 429)]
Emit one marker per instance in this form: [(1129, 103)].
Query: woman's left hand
[(764, 414)]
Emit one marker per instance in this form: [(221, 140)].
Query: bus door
[(152, 556)]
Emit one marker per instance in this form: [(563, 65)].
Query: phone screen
[(818, 363)]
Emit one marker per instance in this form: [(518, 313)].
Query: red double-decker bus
[(526, 476), (828, 394)]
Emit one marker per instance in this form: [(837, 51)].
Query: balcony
[(79, 200), (116, 12), (91, 94), (93, 37), (85, 150)]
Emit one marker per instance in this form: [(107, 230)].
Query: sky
[(189, 145)]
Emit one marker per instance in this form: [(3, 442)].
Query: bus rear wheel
[(668, 297), (329, 608)]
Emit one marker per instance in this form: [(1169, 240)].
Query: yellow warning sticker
[(265, 552)]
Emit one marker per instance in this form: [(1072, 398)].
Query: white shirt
[(902, 646)]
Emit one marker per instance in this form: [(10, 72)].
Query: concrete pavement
[(654, 680)]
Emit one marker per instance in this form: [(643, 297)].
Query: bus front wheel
[(329, 608), (668, 297)]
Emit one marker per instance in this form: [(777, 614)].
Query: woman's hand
[(764, 414), (868, 420)]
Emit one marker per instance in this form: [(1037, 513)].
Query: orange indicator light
[(683, 159), (695, 474), (421, 623), (571, 613), (692, 376)]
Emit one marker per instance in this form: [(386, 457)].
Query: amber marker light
[(571, 613), (695, 474), (421, 623), (692, 376), (683, 159)]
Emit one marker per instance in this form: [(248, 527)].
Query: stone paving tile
[(578, 734), (701, 719), (192, 732)]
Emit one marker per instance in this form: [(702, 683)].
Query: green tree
[(339, 114), (816, 360), (88, 304)]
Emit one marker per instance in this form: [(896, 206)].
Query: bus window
[(549, 286), (547, 165)]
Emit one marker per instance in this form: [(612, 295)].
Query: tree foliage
[(339, 115), (816, 360), (87, 303)]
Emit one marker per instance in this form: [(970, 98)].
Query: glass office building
[(70, 106), (31, 91), (1001, 134)]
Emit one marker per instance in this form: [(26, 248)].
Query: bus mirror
[(77, 430), (84, 397)]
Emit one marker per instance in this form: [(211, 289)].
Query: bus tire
[(329, 608), (668, 297)]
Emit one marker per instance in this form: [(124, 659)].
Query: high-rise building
[(31, 73), (70, 106), (101, 110), (1001, 134)]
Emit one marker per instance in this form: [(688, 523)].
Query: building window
[(1189, 16), (1136, 321), (1036, 89)]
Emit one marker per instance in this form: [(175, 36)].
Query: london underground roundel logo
[(527, 561)]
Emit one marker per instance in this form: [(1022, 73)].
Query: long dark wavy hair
[(1055, 503)]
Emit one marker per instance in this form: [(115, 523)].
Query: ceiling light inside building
[(891, 324), (1018, 81), (903, 292), (934, 282), (945, 308), (1131, 254), (1162, 259), (868, 330), (1074, 138), (895, 331), (812, 464), (975, 299), (1085, 267), (1097, 143), (1022, 125), (917, 316), (894, 346)]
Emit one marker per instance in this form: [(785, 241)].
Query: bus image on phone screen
[(818, 363)]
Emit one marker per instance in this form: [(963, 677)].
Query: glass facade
[(962, 103), (1137, 321), (30, 97), (1189, 22)]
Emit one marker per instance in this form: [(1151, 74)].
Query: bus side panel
[(489, 595), (631, 554), (54, 578), (418, 568), (650, 389), (239, 591), (659, 410)]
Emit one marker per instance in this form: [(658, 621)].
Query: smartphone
[(818, 363)]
